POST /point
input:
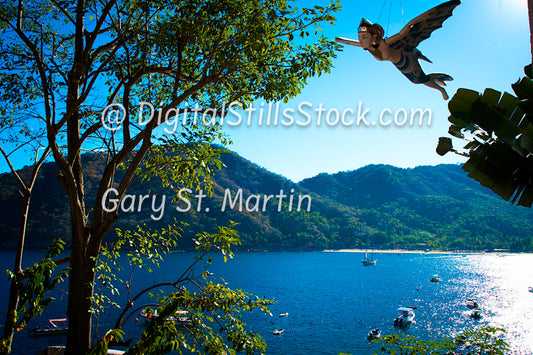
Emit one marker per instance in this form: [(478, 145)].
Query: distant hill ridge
[(435, 207), (374, 185)]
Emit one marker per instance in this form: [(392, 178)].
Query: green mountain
[(425, 207), (438, 206)]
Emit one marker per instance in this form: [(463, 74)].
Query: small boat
[(406, 318), (374, 334), (435, 278), (476, 313), (59, 349), (179, 317), (471, 303), (284, 314), (52, 329), (530, 289), (369, 262), (278, 331)]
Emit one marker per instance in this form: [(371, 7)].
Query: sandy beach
[(402, 251)]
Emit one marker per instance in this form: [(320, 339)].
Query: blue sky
[(484, 44)]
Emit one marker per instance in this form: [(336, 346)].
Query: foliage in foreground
[(499, 131), (34, 285), (210, 313), (486, 340), (74, 75)]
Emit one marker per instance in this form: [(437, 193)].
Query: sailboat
[(369, 262)]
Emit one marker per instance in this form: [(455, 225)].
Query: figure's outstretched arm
[(351, 42)]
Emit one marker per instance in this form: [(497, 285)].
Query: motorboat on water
[(57, 327), (530, 289), (471, 303), (278, 331), (435, 278), (476, 313), (374, 334), (406, 318)]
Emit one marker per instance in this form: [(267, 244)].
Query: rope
[(388, 21), (401, 8), (390, 12), (381, 12)]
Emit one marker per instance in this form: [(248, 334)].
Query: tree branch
[(64, 11)]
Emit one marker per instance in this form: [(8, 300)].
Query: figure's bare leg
[(434, 85)]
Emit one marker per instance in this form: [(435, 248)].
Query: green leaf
[(444, 146)]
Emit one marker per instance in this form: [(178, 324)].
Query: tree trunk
[(81, 275), (81, 278)]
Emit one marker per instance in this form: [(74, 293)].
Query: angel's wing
[(351, 42), (422, 26)]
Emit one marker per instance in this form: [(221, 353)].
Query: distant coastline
[(403, 251), (375, 251)]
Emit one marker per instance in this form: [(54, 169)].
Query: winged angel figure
[(401, 50)]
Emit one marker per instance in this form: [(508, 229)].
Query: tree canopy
[(74, 75)]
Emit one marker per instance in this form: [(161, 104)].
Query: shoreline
[(344, 250), (403, 251)]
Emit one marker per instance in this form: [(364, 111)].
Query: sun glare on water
[(510, 277)]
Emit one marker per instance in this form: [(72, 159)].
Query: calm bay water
[(333, 301)]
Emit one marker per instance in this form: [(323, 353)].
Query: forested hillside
[(425, 207), (434, 205)]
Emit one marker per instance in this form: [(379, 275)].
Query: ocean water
[(333, 300)]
